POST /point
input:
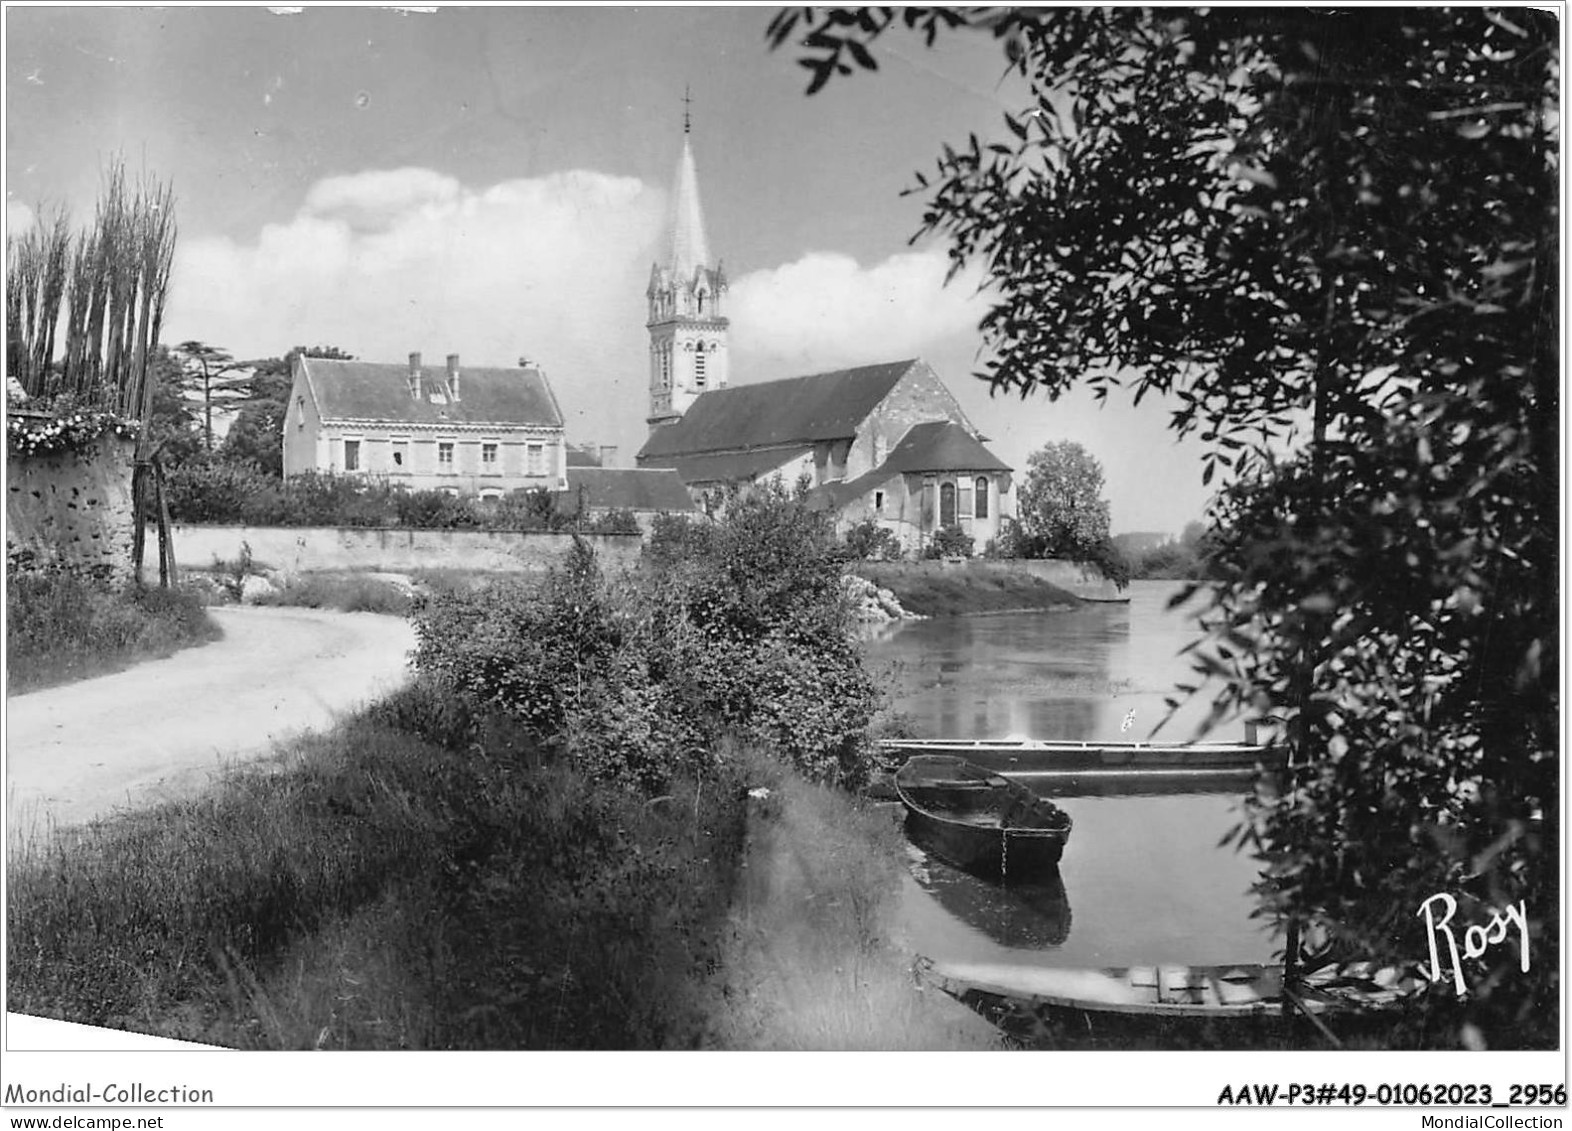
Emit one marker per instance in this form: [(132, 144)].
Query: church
[(885, 442)]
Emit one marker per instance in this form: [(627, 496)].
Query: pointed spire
[(689, 249)]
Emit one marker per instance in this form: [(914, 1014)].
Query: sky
[(494, 182)]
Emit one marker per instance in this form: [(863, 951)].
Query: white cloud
[(387, 262), (825, 310)]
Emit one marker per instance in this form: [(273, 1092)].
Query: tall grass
[(350, 593), (414, 879), (812, 962), (64, 625)]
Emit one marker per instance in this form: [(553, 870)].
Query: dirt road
[(161, 729)]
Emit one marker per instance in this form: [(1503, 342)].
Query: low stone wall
[(1082, 580), (74, 505), (302, 549)]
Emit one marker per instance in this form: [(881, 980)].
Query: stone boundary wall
[(303, 549), (1082, 580), (74, 505)]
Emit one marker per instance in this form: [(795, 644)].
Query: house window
[(878, 502), (488, 457), (400, 454), (351, 455), (491, 495), (445, 456), (535, 459), (947, 504), (982, 496)]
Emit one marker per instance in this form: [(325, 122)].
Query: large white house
[(481, 432)]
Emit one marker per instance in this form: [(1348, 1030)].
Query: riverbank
[(964, 589), (421, 878)]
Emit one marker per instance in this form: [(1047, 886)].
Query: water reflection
[(1029, 915), (1151, 882)]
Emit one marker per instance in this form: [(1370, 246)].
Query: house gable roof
[(941, 445), (794, 411), (370, 391), (620, 488)]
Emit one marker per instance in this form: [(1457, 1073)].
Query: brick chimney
[(414, 376), (453, 376)]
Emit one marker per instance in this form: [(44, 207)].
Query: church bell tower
[(688, 348)]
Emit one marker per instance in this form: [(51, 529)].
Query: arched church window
[(698, 367), (701, 302), (947, 504), (982, 496)]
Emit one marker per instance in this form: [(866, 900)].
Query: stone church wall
[(73, 506), (917, 398)]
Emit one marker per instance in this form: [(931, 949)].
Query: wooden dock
[(1092, 760)]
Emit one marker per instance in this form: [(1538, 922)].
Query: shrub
[(434, 510), (868, 541), (949, 542), (740, 625), (620, 521), (676, 538), (213, 490), (532, 508)]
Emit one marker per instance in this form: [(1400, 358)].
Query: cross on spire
[(687, 124)]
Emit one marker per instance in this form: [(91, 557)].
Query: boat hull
[(1218, 992), (988, 852), (980, 820)]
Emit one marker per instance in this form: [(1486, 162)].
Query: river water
[(1143, 879)]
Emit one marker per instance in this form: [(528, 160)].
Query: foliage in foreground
[(1344, 222), (741, 626), (64, 624), (418, 878)]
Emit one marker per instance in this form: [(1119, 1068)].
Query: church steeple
[(688, 349)]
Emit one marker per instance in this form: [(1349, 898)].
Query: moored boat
[(1220, 992), (978, 819)]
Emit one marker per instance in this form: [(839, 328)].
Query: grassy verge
[(416, 880), (347, 592), (63, 626), (955, 592), (410, 880), (810, 963)]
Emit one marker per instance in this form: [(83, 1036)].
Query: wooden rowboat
[(1037, 758), (980, 820), (1220, 992)]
